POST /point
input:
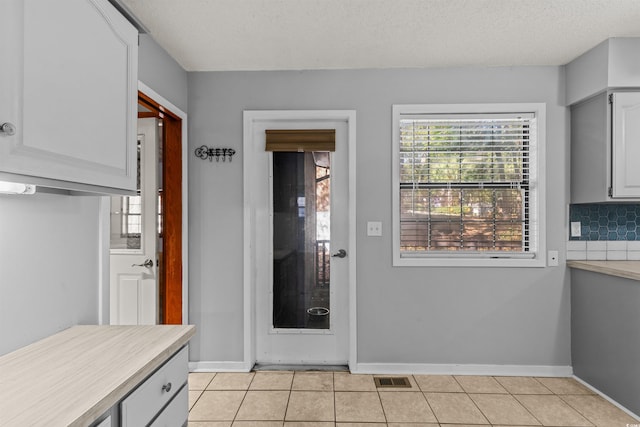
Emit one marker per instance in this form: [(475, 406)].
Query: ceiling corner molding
[(126, 12)]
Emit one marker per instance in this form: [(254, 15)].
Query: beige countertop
[(626, 269), (73, 377)]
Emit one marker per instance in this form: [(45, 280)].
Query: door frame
[(170, 273), (104, 222), (251, 118)]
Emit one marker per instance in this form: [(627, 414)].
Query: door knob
[(7, 129), (340, 254), (148, 263)]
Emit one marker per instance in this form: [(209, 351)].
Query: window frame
[(537, 211)]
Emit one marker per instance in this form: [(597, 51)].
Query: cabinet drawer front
[(176, 413), (139, 408)]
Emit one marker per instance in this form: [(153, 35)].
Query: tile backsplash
[(606, 222), (607, 232), (612, 250)]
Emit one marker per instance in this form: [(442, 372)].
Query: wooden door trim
[(160, 110), (172, 218), (170, 275)]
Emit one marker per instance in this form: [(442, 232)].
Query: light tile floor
[(341, 399)]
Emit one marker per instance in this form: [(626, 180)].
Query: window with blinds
[(465, 186)]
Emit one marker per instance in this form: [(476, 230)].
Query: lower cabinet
[(162, 399), (605, 334)]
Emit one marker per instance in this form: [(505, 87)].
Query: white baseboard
[(219, 367), (452, 369), (413, 368), (607, 398)]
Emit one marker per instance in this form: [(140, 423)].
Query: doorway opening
[(170, 206), (148, 248)]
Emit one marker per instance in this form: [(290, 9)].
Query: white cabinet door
[(68, 83), (626, 145)]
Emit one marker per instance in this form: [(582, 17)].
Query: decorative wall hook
[(205, 152)]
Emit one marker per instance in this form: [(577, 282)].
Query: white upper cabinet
[(625, 134), (68, 87), (605, 148)]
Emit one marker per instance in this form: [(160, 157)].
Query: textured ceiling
[(213, 35)]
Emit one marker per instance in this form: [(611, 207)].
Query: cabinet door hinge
[(610, 98), (610, 191)]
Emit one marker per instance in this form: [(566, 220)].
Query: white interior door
[(134, 225), (301, 219)]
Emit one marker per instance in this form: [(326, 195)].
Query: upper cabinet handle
[(7, 129)]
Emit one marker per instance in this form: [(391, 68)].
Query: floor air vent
[(392, 382)]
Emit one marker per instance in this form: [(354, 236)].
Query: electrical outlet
[(374, 228), (552, 258), (576, 229)]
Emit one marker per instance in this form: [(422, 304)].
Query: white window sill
[(468, 262)]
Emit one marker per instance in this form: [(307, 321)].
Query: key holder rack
[(205, 153)]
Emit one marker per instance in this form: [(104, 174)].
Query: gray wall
[(405, 314), (161, 72), (604, 335), (48, 266)]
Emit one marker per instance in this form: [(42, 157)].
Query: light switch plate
[(552, 258), (576, 229), (374, 228)]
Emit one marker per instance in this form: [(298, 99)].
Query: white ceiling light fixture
[(16, 188)]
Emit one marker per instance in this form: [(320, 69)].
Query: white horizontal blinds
[(464, 183)]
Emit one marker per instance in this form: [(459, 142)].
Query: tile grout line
[(199, 396), (335, 406), (577, 409), (246, 391), (518, 401), (194, 403), (540, 382), (427, 400), (286, 409), (478, 407), (473, 401), (384, 413), (527, 409), (547, 395)]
